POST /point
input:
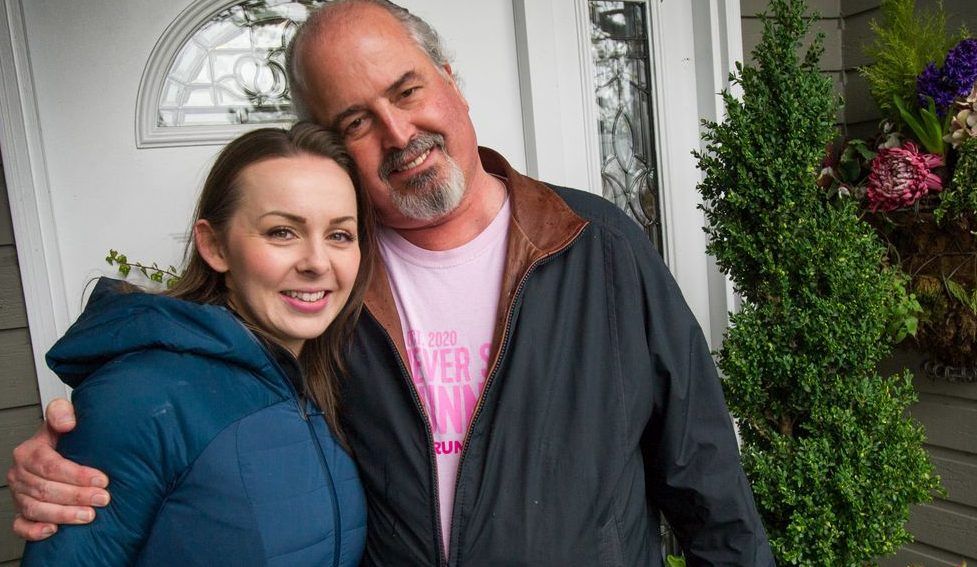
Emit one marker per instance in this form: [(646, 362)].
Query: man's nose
[(397, 127)]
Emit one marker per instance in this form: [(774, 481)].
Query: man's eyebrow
[(390, 91), (355, 109), (399, 83)]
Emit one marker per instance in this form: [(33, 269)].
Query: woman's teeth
[(308, 297)]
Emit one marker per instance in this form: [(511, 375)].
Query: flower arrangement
[(916, 181)]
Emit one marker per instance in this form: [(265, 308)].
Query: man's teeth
[(417, 161), (306, 296)]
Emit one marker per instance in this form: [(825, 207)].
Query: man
[(527, 386)]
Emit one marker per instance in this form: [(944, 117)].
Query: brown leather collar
[(542, 224)]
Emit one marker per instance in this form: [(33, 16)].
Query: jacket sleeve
[(691, 456), (125, 429)]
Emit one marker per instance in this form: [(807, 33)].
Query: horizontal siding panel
[(864, 130), (853, 7), (12, 311), (920, 554), (945, 526), (856, 36), (949, 424), (962, 390), (18, 382), (11, 547), (958, 473), (16, 425), (859, 104), (6, 230), (830, 61), (826, 8)]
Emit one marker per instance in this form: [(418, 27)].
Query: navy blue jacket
[(601, 408), (213, 458)]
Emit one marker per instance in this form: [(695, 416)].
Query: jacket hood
[(118, 321)]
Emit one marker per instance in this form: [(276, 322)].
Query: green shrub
[(833, 459)]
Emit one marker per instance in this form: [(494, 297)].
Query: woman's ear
[(209, 246)]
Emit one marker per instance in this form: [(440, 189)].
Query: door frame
[(703, 39), (31, 210)]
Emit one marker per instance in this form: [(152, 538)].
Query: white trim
[(717, 21), (31, 210), (675, 115), (559, 120), (148, 133)]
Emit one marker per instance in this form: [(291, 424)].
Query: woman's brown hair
[(323, 358)]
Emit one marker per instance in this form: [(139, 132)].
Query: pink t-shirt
[(447, 302)]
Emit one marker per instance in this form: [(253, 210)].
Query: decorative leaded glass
[(232, 70), (622, 80)]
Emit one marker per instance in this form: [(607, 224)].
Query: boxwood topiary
[(832, 456)]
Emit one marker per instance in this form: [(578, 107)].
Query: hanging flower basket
[(940, 260)]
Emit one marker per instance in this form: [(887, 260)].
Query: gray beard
[(426, 197)]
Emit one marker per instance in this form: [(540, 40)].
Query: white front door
[(71, 72)]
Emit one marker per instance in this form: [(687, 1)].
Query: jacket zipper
[(439, 541), (337, 518), (516, 296)]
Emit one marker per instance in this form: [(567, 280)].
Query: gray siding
[(20, 409), (946, 529)]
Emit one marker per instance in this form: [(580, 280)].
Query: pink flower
[(901, 176)]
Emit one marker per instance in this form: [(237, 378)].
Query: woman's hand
[(48, 489)]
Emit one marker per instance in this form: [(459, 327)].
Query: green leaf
[(961, 294), (674, 561)]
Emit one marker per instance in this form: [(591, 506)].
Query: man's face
[(402, 118)]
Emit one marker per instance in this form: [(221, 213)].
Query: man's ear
[(450, 76), (209, 246)]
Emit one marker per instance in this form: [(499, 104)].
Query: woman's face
[(290, 252)]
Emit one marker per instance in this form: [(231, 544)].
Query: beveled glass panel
[(232, 70), (622, 80)]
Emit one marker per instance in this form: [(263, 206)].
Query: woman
[(213, 407)]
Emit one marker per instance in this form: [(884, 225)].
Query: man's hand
[(49, 490)]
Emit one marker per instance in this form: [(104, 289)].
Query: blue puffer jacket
[(212, 458)]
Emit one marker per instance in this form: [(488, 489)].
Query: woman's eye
[(281, 233), (342, 236)]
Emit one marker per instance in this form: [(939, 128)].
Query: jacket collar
[(542, 224)]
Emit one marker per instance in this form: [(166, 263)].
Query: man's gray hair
[(420, 31)]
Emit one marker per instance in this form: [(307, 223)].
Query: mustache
[(395, 159)]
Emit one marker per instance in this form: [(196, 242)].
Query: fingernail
[(85, 516), (99, 482), (65, 421), (47, 530), (100, 500)]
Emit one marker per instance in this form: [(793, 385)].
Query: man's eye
[(354, 125), (408, 92)]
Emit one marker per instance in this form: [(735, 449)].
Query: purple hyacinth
[(960, 67), (955, 79), (932, 83)]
